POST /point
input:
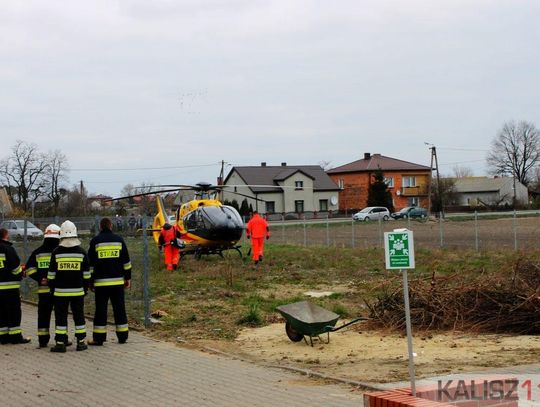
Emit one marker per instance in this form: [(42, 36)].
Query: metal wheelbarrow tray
[(307, 319)]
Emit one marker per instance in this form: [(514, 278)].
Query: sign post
[(399, 254)]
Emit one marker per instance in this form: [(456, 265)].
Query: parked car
[(417, 212), (410, 212), (372, 213), (16, 229)]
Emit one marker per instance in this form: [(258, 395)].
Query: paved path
[(145, 372)]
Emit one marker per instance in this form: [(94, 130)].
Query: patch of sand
[(372, 356)]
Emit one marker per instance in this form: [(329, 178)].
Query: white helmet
[(68, 229), (52, 231)]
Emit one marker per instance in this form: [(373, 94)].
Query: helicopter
[(206, 225)]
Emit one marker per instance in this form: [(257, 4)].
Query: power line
[(145, 168)]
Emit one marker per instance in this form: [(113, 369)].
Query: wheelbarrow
[(307, 319)]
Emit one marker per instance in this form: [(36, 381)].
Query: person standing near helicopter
[(168, 241), (257, 230)]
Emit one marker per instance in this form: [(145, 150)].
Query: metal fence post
[(305, 232), (283, 229), (381, 242), (327, 232), (146, 277), (24, 286), (515, 232), (96, 225), (476, 230), (353, 243), (441, 233)]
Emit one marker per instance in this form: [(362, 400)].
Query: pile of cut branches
[(508, 302)]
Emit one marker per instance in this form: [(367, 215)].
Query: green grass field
[(214, 297)]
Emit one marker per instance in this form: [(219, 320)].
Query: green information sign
[(399, 249)]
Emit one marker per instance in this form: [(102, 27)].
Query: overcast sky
[(140, 84)]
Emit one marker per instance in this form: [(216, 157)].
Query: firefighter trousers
[(172, 256), (116, 294), (45, 307), (10, 316), (257, 245), (61, 305)]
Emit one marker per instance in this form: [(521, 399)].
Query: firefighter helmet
[(52, 231), (68, 229)]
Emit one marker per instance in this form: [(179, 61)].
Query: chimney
[(367, 156), (263, 164), (283, 164)]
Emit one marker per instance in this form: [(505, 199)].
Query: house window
[(341, 183), (299, 184), (323, 205), (270, 206), (413, 201), (389, 181), (409, 182), (299, 206)]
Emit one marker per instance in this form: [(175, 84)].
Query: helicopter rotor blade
[(144, 194), (247, 196)]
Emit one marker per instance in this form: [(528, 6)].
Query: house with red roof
[(408, 182)]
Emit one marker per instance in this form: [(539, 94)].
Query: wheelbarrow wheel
[(292, 334)]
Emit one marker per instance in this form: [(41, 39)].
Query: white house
[(485, 191), (283, 188)]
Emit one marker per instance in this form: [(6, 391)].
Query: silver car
[(16, 229), (372, 213)]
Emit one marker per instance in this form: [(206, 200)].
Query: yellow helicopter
[(206, 225)]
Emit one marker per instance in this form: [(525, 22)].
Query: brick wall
[(493, 391)]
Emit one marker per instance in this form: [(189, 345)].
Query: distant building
[(407, 182), (284, 188), (100, 201), (485, 191)]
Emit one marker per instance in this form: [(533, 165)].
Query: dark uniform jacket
[(37, 266), (10, 267), (109, 260), (69, 272)]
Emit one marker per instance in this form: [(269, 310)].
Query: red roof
[(375, 161)]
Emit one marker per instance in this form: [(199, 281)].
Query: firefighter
[(168, 238), (111, 274), (68, 278), (257, 230), (37, 268), (10, 298)]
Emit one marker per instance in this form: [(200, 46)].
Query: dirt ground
[(377, 357)]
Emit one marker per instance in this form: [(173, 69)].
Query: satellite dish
[(333, 200), (398, 192)]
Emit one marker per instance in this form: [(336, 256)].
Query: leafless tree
[(23, 173), (462, 172), (55, 176), (325, 165), (515, 151)]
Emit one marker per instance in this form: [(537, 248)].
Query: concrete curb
[(304, 372)]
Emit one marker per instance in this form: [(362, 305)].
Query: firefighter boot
[(60, 347), (81, 345)]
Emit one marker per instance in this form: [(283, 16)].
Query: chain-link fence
[(27, 236), (466, 232)]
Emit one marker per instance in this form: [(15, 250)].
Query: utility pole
[(220, 180), (83, 198), (434, 160)]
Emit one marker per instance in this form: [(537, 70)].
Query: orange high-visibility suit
[(167, 239), (257, 230)]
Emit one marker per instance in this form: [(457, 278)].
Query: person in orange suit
[(257, 230), (168, 240)]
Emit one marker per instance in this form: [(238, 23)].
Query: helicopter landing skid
[(199, 252)]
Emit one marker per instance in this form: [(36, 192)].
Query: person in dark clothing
[(10, 297), (68, 278), (37, 268), (111, 274)]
